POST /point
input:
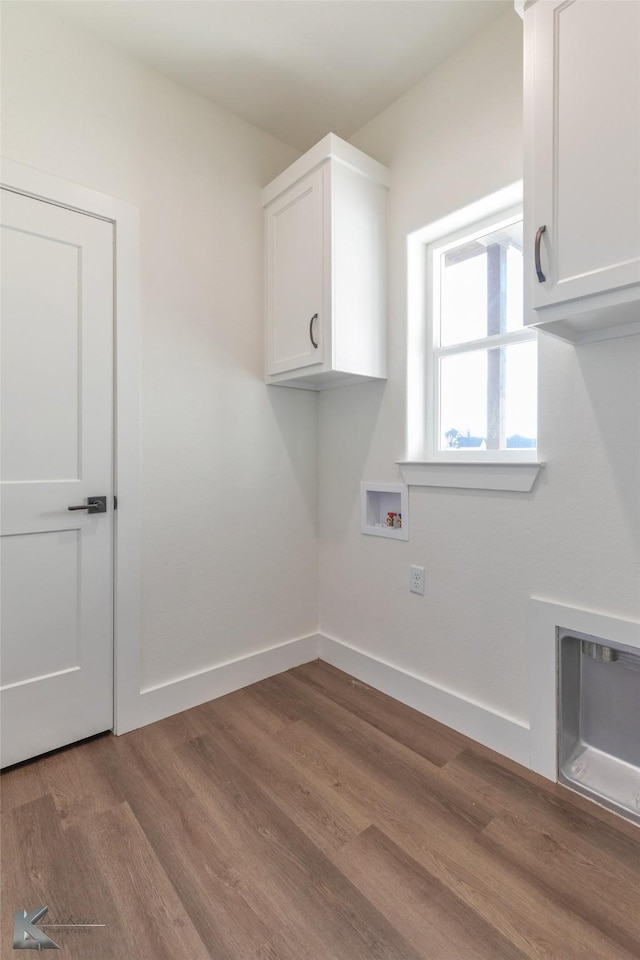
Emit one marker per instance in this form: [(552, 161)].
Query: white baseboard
[(503, 734), (180, 694)]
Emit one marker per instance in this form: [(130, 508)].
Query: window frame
[(435, 352), (423, 464)]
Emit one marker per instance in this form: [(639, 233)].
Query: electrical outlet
[(416, 581)]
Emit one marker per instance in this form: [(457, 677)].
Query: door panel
[(56, 649), (295, 263), (40, 441), (586, 140), (49, 564)]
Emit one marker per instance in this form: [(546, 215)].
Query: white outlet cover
[(416, 580)]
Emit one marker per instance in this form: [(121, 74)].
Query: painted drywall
[(453, 139), (228, 465)]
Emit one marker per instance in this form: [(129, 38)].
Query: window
[(472, 390), (483, 362)]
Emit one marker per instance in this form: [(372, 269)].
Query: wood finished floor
[(309, 817)]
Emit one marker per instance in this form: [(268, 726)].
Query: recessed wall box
[(385, 510)]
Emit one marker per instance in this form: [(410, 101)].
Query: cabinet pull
[(541, 276), (314, 317)]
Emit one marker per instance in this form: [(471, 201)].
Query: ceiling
[(295, 68)]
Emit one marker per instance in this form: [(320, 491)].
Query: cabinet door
[(584, 84), (295, 263)]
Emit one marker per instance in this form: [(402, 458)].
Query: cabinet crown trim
[(330, 147), (521, 6)]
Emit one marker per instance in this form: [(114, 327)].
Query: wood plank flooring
[(309, 817)]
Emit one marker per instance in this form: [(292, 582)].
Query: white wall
[(452, 139), (228, 466)]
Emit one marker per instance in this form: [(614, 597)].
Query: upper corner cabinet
[(582, 167), (325, 269)]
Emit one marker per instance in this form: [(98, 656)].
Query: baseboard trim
[(180, 694), (497, 731), (501, 733)]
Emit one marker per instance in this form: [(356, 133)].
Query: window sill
[(505, 475)]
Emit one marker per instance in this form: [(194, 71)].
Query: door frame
[(126, 332)]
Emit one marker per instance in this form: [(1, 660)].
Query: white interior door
[(56, 644)]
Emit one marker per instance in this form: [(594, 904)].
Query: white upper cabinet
[(325, 269), (295, 244), (582, 167)]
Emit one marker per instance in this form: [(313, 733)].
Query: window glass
[(463, 401), (484, 362), (488, 399), (463, 298), (479, 285), (515, 286)]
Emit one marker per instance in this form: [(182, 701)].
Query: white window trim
[(514, 470), (508, 475)]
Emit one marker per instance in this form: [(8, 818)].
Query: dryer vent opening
[(599, 721)]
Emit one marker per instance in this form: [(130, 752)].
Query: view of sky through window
[(487, 394)]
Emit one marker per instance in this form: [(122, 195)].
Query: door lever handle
[(93, 505)]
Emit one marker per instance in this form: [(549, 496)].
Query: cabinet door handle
[(541, 276), (314, 342)]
